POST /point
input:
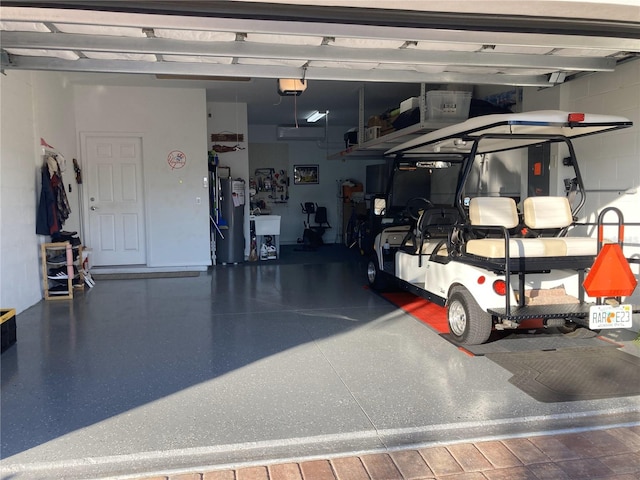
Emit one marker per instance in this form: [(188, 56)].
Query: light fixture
[(557, 77), (315, 116)]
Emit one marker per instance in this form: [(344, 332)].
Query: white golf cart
[(485, 240)]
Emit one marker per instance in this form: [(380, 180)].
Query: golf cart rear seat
[(554, 214), (541, 215), (499, 212)]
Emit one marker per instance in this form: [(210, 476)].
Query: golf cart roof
[(516, 130)]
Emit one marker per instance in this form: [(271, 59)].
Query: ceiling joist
[(329, 29), (367, 44), (401, 56), (265, 71)]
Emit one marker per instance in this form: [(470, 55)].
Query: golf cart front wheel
[(468, 323), (377, 279)]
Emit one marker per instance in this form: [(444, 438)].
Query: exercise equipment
[(312, 235)]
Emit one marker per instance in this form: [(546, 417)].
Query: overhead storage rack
[(376, 147)]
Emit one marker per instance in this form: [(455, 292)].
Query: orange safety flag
[(610, 275)]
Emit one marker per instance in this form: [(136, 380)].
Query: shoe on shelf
[(58, 290), (61, 273), (61, 259), (58, 276), (62, 236)]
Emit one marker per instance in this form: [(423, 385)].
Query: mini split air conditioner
[(299, 133)]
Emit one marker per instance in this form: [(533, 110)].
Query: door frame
[(84, 204)]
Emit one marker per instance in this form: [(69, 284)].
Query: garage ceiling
[(231, 47)]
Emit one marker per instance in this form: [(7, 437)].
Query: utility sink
[(266, 224)]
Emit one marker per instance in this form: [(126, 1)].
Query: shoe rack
[(54, 257)]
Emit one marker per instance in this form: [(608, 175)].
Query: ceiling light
[(315, 116), (557, 77)]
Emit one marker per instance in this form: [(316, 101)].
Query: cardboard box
[(376, 121), (348, 191)]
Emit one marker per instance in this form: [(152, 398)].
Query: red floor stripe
[(433, 315)]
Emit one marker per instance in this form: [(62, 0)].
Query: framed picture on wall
[(305, 175)]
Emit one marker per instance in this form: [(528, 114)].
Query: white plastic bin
[(448, 106), (371, 133)]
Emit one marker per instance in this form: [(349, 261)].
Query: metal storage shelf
[(376, 147)]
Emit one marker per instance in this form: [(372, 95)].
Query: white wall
[(167, 119), (609, 163), (34, 105), (19, 279), (331, 175)]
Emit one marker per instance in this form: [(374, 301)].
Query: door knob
[(93, 208)]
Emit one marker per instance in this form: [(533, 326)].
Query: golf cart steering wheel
[(415, 205)]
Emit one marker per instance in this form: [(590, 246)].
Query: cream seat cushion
[(500, 211), (547, 212), (492, 211), (551, 213), (518, 247), (570, 246)]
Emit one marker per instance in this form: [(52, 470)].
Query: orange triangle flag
[(610, 275)]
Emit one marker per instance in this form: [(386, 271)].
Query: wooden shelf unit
[(58, 251)]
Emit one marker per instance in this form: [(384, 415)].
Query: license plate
[(607, 316)]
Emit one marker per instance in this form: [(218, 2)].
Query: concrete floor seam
[(350, 392)]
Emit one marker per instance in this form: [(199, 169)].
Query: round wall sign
[(176, 159)]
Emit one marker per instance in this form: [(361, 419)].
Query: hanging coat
[(63, 208), (47, 215)]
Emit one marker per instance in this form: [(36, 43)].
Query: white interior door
[(115, 200)]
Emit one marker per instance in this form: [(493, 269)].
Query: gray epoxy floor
[(247, 363)]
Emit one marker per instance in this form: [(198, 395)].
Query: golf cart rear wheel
[(377, 279), (468, 323)]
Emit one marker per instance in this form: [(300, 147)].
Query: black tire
[(378, 280), (468, 323)]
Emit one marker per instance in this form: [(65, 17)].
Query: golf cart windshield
[(434, 179)]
